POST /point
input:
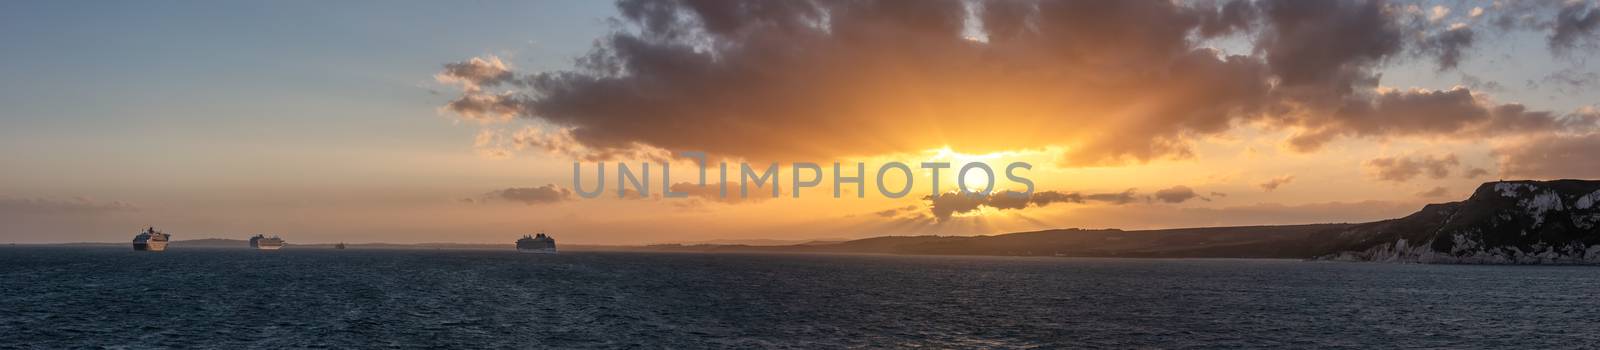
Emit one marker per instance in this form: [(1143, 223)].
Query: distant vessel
[(339, 246), (540, 244), (151, 240), (263, 242)]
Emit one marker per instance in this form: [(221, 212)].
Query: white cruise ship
[(263, 242), (540, 244), (151, 240)]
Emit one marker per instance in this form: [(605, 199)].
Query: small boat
[(340, 245)]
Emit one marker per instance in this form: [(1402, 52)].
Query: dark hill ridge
[(1209, 242), (1509, 222)]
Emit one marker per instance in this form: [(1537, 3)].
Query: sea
[(104, 297)]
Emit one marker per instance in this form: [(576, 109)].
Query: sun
[(975, 180)]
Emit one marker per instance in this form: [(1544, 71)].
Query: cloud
[(1402, 169), (889, 213), (1512, 15), (1438, 12), (486, 108), (1474, 173), (476, 73), (1124, 197), (546, 194), (771, 79), (75, 205), (1176, 194), (1274, 183), (1447, 46), (475, 104), (946, 205), (1434, 192), (1572, 81), (1420, 112), (1323, 50), (1041, 199), (1552, 157), (848, 65), (1574, 25), (490, 144), (1231, 17)]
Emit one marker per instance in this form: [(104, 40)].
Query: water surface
[(61, 297)]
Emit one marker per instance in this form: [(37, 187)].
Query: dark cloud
[(1047, 197), (726, 77), (486, 107), (1402, 169), (1419, 112), (1230, 17), (945, 205), (770, 79), (1569, 24), (1574, 26), (533, 195), (1552, 157), (1446, 46), (1176, 194), (1274, 183), (1124, 197), (1324, 50)]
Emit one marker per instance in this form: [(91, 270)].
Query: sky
[(410, 122)]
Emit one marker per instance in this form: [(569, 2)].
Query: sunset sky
[(409, 122)]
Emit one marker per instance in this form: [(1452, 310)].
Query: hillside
[(1509, 222), (1210, 242)]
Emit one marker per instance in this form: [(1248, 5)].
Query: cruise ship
[(263, 242), (540, 244), (151, 240)]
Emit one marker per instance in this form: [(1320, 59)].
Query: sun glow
[(945, 153), (975, 180)]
